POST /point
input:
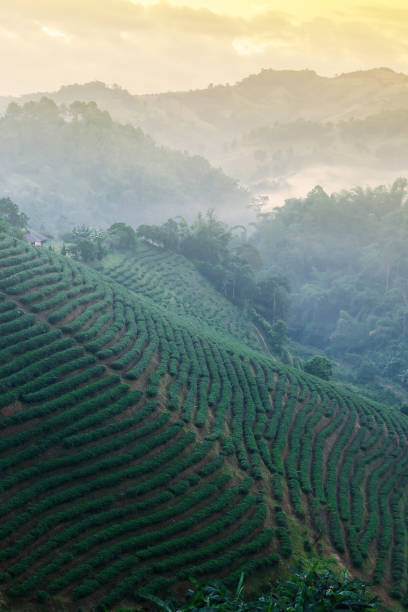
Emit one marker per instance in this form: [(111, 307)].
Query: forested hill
[(136, 451), (70, 165), (276, 131), (261, 99), (346, 256)]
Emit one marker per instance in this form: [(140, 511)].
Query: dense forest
[(70, 165), (346, 258)]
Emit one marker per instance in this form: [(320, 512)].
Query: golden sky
[(151, 46)]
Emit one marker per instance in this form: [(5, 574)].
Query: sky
[(151, 46)]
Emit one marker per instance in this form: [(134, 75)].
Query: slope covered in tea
[(173, 282), (136, 451)]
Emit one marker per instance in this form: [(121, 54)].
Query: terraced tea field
[(173, 282), (136, 451)]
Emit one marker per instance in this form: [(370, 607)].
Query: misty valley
[(204, 357)]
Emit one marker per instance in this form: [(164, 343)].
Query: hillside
[(174, 283), (279, 131), (346, 257), (260, 99), (137, 451), (73, 165)]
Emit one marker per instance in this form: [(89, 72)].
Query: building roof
[(32, 236)]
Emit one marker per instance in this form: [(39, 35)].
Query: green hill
[(137, 451), (71, 165), (173, 282)]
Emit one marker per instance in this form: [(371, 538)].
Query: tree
[(85, 249), (207, 239), (278, 335), (216, 274), (4, 227), (366, 373), (250, 254), (319, 366), (273, 298), (151, 233), (87, 243), (239, 282), (122, 236), (171, 235), (10, 213)]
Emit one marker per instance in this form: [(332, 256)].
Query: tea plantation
[(172, 281), (137, 451)]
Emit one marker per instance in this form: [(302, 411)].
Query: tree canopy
[(232, 264), (10, 213), (346, 257), (70, 165)]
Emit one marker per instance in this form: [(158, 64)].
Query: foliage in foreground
[(319, 366), (311, 590)]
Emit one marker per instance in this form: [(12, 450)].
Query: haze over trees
[(232, 265), (153, 427), (71, 165), (279, 131), (346, 257), (11, 219)]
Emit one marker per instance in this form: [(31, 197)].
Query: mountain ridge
[(221, 123), (267, 79)]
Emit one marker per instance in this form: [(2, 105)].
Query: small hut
[(35, 238)]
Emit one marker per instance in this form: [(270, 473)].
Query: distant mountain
[(262, 99), (234, 126), (74, 164)]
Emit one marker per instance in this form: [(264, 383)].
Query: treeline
[(376, 142), (232, 265), (346, 257), (73, 164), (12, 221)]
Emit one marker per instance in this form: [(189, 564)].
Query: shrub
[(319, 366), (305, 590)]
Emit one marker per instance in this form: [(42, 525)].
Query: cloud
[(380, 13), (155, 45), (249, 46), (54, 33), (246, 46)]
